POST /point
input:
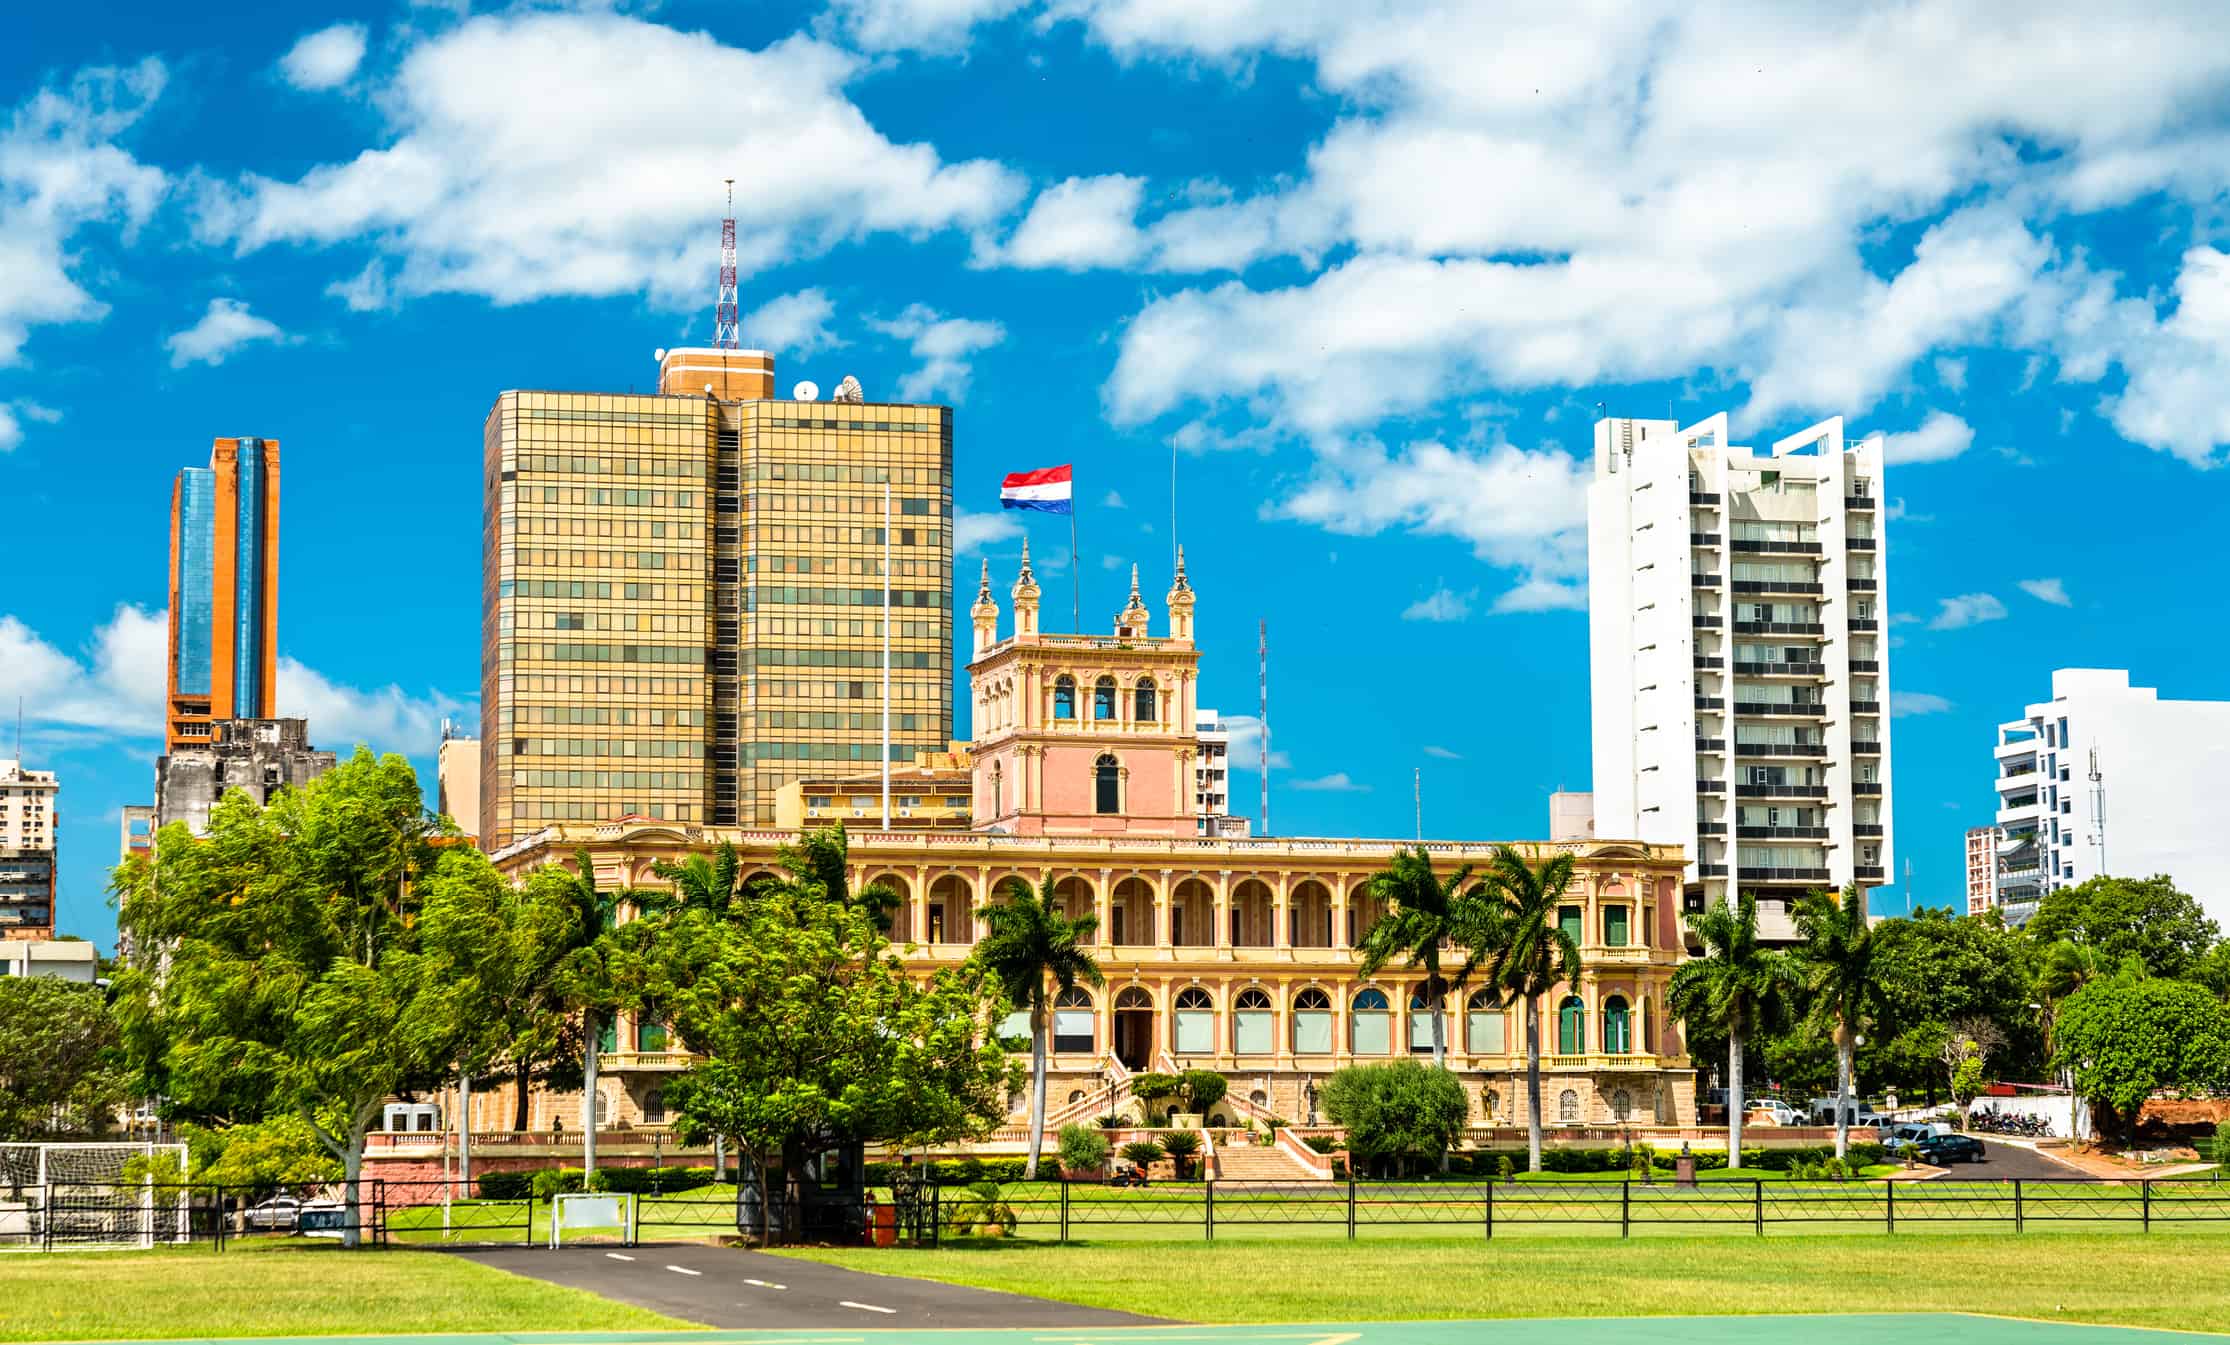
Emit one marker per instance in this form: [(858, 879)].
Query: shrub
[(649, 1181), (1145, 1153), (567, 1181), (2221, 1154), (982, 1208), (1323, 1144), (506, 1185), (1110, 1122), (1202, 1089), (1082, 1150), (1181, 1146), (1504, 1169), (1400, 1110), (1152, 1087)]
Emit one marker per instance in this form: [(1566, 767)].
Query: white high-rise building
[(1739, 667), (2151, 808), (29, 825), (1212, 777)]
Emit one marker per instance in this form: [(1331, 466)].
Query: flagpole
[(886, 650), (1076, 579)]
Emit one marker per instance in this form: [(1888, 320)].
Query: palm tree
[(2067, 967), (585, 981), (824, 857), (1028, 942), (1738, 987), (1529, 954), (700, 883), (1426, 914), (1836, 967)]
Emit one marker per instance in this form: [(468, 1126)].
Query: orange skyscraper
[(224, 591)]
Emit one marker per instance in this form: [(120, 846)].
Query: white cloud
[(61, 171), (792, 324), (1968, 609), (972, 532), (1903, 703), (225, 326), (1113, 500), (2047, 590), (1939, 438), (1442, 604), (1952, 373), (325, 59), (1519, 509), (1443, 753), (916, 25), (12, 416), (365, 292), (1335, 783), (1544, 595), (1245, 750), (1079, 224), (2178, 366), (592, 168), (115, 687), (385, 719), (944, 347)]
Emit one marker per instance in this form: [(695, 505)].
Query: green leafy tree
[(1397, 1111), (699, 882), (1202, 1089), (1142, 1153), (280, 968), (2146, 918), (582, 983), (279, 1152), (1426, 915), (62, 1073), (823, 858), (1835, 967), (1516, 930), (1036, 952), (1083, 1149), (1150, 1087), (2125, 1040), (1737, 989)]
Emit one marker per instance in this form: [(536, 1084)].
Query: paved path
[(726, 1287), (1883, 1329), (2004, 1162)]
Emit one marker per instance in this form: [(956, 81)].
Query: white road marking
[(863, 1307), (616, 1256), (684, 1270), (765, 1285)]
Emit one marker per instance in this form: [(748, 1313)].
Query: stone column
[(1281, 913), (1222, 938)]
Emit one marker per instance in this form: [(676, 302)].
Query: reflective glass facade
[(682, 605), (224, 563), (249, 576), (195, 561)]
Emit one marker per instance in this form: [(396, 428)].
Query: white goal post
[(76, 1195), (597, 1214)]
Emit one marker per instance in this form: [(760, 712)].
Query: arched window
[(1072, 1020), (1142, 701), (1134, 997), (1107, 785), (654, 1105), (1571, 1026), (1618, 1030), (1369, 1030), (1622, 1104), (1420, 1024), (1251, 1033), (1064, 697), (998, 790), (1076, 1095), (1312, 1022), (1568, 1105), (1486, 1030), (1103, 698), (1195, 1021)]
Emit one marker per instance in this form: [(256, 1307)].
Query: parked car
[(1772, 1114), (1861, 1112), (1903, 1135), (1944, 1150), (279, 1214)]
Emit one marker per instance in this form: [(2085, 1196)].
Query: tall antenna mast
[(2098, 817), (725, 324), (1262, 650), (1417, 789)]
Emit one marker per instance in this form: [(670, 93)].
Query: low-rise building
[(931, 794), (29, 824), (261, 757), (65, 959), (457, 777)]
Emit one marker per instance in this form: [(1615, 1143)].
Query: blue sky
[(1365, 268)]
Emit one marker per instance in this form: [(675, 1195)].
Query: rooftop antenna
[(725, 333), (1262, 650), (2098, 817), (1417, 790)]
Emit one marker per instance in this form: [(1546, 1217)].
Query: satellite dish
[(808, 391), (659, 354)]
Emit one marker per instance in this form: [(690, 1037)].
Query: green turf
[(2167, 1281), (263, 1289)]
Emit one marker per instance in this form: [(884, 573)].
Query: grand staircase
[(1260, 1163)]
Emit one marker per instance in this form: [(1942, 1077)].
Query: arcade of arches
[(1238, 955)]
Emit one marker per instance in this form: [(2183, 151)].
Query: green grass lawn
[(2162, 1281), (707, 1211), (257, 1289)]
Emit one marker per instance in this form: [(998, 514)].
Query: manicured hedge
[(969, 1170), (542, 1183)]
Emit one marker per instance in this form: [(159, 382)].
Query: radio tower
[(724, 324), (1262, 649)]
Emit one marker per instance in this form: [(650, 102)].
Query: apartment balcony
[(1711, 871), (1779, 708), (1710, 703), (1859, 665), (1743, 749), (1863, 623), (1711, 744), (1756, 832), (1708, 498), (1764, 548), (657, 1062), (1785, 875), (1704, 828), (1857, 585), (1860, 543), (1780, 791), (1778, 586), (1867, 788), (1858, 502), (1711, 786), (1868, 829), (1709, 662), (1867, 747), (1780, 670), (1875, 872), (1707, 620), (1703, 539), (1866, 707), (1701, 580), (1779, 628)]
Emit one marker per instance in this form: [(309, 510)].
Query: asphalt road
[(726, 1287), (2004, 1162)]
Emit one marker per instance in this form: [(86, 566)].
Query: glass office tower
[(224, 590)]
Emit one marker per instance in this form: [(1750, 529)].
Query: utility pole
[(1262, 651), (2098, 817), (1417, 790)]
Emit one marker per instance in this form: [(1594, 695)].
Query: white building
[(2152, 807), (27, 851), (1982, 869), (64, 959), (1212, 777), (1739, 668)]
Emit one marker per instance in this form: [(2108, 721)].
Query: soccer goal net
[(91, 1195)]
